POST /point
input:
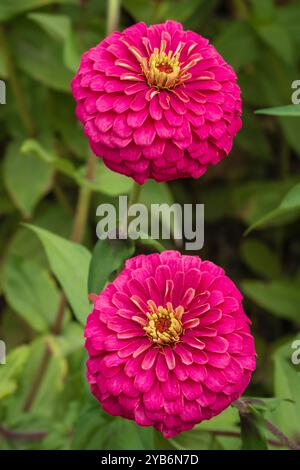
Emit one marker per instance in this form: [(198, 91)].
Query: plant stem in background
[(113, 16), (135, 194), (15, 85), (83, 204), (80, 222)]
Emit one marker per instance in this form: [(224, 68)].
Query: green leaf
[(288, 110), (252, 431), (241, 33), (260, 259), (148, 244), (31, 292), (108, 256), (14, 366), (32, 146), (27, 178), (95, 431), (277, 37), (70, 263), (10, 8), (41, 58), (287, 211), (106, 181), (59, 27), (282, 298)]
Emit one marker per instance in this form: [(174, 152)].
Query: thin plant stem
[(113, 15), (135, 194), (15, 85)]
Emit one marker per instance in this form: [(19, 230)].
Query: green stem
[(113, 16), (83, 203), (15, 85), (135, 194)]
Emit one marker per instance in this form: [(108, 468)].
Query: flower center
[(164, 324), (164, 70)]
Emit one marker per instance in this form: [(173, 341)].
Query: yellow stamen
[(164, 70), (164, 324)]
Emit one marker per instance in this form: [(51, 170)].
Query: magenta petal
[(145, 134), (162, 370), (149, 358), (144, 380), (191, 390)]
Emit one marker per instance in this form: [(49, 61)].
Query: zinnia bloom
[(157, 102), (169, 343)]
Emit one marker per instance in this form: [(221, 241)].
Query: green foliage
[(252, 213), (69, 262)]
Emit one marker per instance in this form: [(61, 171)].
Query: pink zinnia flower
[(169, 343), (157, 102)]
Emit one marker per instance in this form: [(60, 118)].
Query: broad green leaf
[(288, 110), (282, 298), (48, 216), (13, 367), (287, 211), (31, 292), (260, 259), (10, 8), (108, 256), (41, 58), (60, 28), (26, 178), (70, 263), (277, 37), (241, 33), (95, 431), (32, 146)]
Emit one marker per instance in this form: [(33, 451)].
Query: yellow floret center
[(164, 324)]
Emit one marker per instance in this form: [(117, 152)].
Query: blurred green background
[(49, 181)]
